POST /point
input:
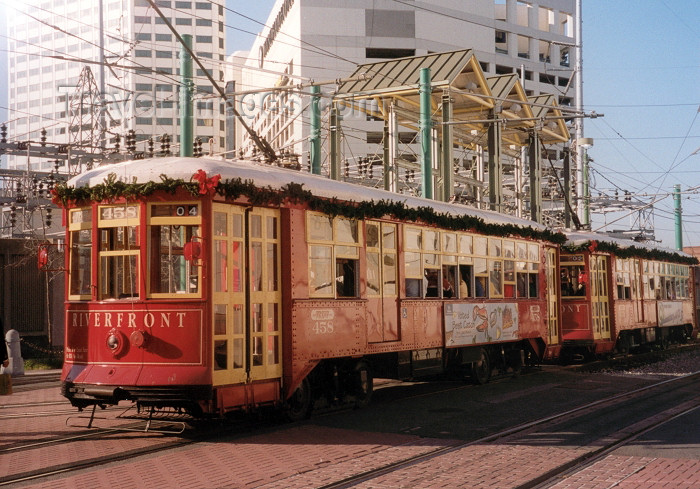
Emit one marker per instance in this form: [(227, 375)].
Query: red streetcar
[(617, 295), (212, 286)]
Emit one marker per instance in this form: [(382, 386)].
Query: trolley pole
[(425, 133), (677, 211), (315, 139), (186, 129)]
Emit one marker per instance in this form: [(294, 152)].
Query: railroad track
[(512, 435)]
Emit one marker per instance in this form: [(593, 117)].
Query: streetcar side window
[(381, 258), (334, 254), (118, 251), (80, 258), (171, 227)]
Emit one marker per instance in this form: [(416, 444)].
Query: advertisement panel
[(474, 323)]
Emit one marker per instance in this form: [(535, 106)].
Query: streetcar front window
[(171, 272), (170, 228), (118, 251), (80, 262), (80, 267)]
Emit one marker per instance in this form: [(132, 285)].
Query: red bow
[(206, 185)]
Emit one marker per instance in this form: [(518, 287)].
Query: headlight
[(116, 342)]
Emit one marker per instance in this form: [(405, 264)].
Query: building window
[(142, 53), (164, 37), (164, 54), (181, 21), (143, 36), (388, 53), (203, 23), (142, 19), (204, 39), (203, 5), (183, 4)]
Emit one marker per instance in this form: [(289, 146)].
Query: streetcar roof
[(150, 170), (577, 238)]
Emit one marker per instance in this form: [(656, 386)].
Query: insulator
[(48, 217), (117, 140), (371, 170), (43, 137), (150, 147), (3, 133), (57, 165)]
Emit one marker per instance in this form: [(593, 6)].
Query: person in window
[(345, 278), (465, 280), (582, 281), (447, 289), (480, 286), (431, 286)]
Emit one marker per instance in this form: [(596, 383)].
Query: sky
[(641, 69)]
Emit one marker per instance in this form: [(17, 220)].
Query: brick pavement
[(306, 456)]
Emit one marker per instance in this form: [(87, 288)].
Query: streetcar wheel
[(364, 385), (481, 369), (298, 406)]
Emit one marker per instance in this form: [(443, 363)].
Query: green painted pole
[(424, 90), (334, 137), (315, 139), (186, 89), (677, 211)]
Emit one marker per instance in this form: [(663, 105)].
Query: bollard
[(14, 353)]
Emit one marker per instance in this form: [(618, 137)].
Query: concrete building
[(319, 40), (52, 42)]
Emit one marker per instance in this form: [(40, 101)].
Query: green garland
[(631, 252), (232, 189), (113, 189)]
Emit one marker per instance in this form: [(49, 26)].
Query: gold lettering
[(97, 319), (132, 320), (181, 316), (108, 320), (120, 317), (165, 319), (148, 320)]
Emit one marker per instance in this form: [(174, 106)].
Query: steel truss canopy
[(476, 100)]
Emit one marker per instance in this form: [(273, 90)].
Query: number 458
[(323, 327)]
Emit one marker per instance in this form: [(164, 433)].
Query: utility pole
[(315, 139), (103, 108), (578, 73)]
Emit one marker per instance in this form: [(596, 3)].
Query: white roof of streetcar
[(578, 238), (149, 170)]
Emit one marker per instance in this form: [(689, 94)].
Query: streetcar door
[(382, 288), (600, 299), (265, 315), (247, 331), (228, 271), (552, 298)]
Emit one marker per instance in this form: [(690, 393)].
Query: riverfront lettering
[(128, 319)]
